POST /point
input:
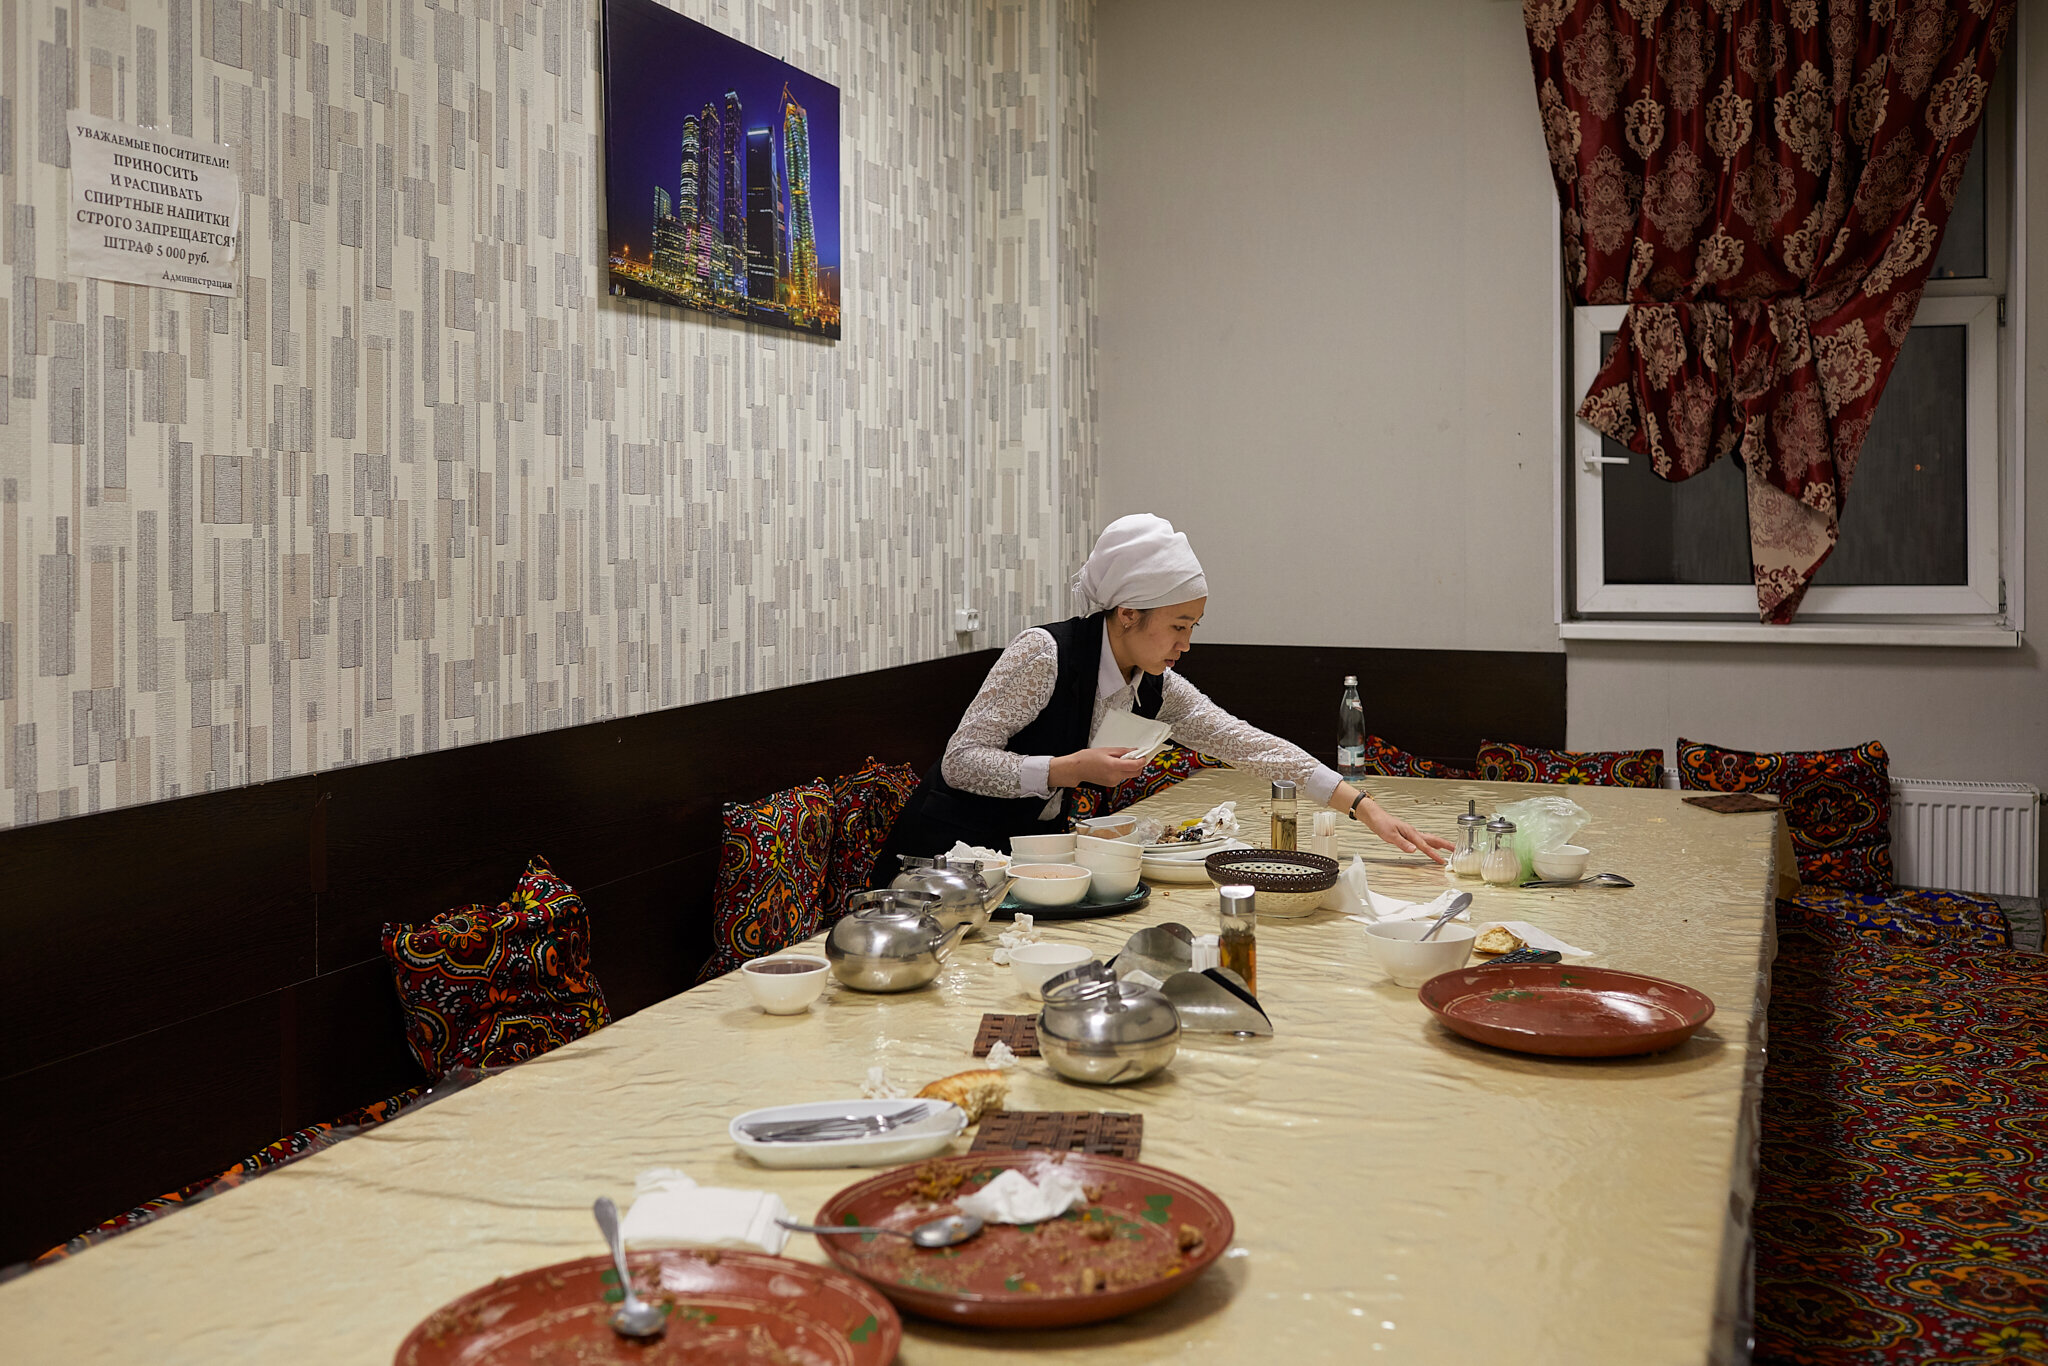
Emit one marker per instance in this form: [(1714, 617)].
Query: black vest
[(940, 814)]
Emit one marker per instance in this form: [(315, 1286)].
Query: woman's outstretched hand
[(1102, 767), (1400, 834)]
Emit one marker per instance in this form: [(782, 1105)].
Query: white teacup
[(1563, 863), (785, 984), (1397, 947), (1042, 848), (1034, 965)]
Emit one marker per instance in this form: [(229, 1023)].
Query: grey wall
[(422, 482), (1327, 348)]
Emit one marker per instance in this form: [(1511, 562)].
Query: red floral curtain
[(1765, 183)]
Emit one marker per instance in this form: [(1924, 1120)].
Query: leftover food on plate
[(976, 1092)]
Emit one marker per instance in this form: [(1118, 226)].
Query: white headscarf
[(1139, 561)]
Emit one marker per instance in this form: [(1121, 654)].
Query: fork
[(833, 1126)]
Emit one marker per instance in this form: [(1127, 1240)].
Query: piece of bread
[(976, 1092), (1499, 939)]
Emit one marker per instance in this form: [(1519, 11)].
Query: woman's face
[(1155, 640)]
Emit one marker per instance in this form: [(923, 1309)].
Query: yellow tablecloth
[(1400, 1194)]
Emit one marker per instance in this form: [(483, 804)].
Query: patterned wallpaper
[(422, 483)]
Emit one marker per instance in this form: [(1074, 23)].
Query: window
[(1930, 526)]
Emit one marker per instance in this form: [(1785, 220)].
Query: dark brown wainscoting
[(188, 980), (1436, 703)]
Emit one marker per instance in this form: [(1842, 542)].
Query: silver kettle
[(1105, 1030), (967, 896), (890, 940)]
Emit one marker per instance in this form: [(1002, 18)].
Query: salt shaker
[(1283, 814), (1502, 866), (1470, 853)]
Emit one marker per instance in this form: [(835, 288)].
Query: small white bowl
[(1050, 884), (1397, 947), (1034, 965), (1042, 848), (1108, 827), (785, 984), (934, 1133), (1113, 884), (1116, 851), (1565, 861)]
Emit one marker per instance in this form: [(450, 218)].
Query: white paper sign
[(152, 208)]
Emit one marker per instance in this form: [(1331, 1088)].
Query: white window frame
[(1986, 611), (1978, 315)]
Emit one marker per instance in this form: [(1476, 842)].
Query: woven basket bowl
[(1289, 882)]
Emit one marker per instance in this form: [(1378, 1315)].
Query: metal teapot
[(890, 940), (967, 896), (1105, 1030)]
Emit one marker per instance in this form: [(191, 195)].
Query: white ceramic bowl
[(1108, 851), (1108, 827), (1042, 848), (1049, 884), (1565, 861), (1112, 884), (787, 983), (1034, 965), (1397, 947), (934, 1133)]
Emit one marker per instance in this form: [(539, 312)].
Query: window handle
[(1592, 463)]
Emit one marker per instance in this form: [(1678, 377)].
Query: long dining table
[(1400, 1193)]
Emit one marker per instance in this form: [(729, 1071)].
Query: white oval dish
[(929, 1135)]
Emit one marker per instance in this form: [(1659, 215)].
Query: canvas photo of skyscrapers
[(721, 173)]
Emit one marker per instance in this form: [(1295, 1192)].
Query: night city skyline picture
[(721, 173)]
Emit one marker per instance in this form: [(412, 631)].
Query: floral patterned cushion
[(1503, 761), (1905, 916), (772, 868), (1837, 801), (1391, 761), (487, 986), (1172, 764), (865, 806)]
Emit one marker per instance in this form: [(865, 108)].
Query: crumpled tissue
[(671, 1210), (1349, 893), (1022, 931), (879, 1087), (1014, 1198), (1001, 1056)]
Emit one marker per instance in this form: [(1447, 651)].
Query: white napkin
[(1208, 952), (1143, 978), (879, 1087), (1021, 932), (1128, 730), (1385, 908), (1014, 1198), (1537, 939), (1349, 893), (671, 1210)]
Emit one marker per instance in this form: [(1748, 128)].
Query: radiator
[(1967, 837)]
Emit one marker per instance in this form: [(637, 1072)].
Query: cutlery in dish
[(1457, 905), (1596, 879), (954, 1228), (833, 1126), (635, 1317)]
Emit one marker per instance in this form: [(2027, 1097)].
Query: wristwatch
[(1363, 796)]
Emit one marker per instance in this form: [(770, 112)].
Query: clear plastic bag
[(1543, 823)]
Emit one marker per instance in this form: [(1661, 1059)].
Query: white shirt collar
[(1109, 680)]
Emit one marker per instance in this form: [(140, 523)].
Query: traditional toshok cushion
[(1503, 761), (487, 986), (1391, 761), (1172, 764), (1837, 801), (1905, 916), (1900, 1214), (865, 806), (772, 867)]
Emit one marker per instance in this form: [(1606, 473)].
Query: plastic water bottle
[(1350, 730)]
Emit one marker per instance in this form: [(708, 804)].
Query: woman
[(1028, 733)]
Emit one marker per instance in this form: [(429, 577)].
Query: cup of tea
[(785, 984)]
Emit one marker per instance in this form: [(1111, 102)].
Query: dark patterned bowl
[(1289, 882)]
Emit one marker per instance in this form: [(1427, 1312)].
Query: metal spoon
[(1458, 904), (1597, 879), (954, 1228), (635, 1317)]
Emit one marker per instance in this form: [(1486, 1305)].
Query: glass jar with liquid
[(1471, 851), (1502, 866), (1285, 807), (1237, 946)]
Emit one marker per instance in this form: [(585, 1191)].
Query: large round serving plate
[(1084, 909), (1564, 1011), (1146, 1232), (724, 1306)]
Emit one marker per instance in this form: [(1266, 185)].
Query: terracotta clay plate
[(1565, 1011), (1145, 1234), (725, 1306)]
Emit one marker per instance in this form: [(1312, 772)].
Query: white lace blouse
[(1021, 683)]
